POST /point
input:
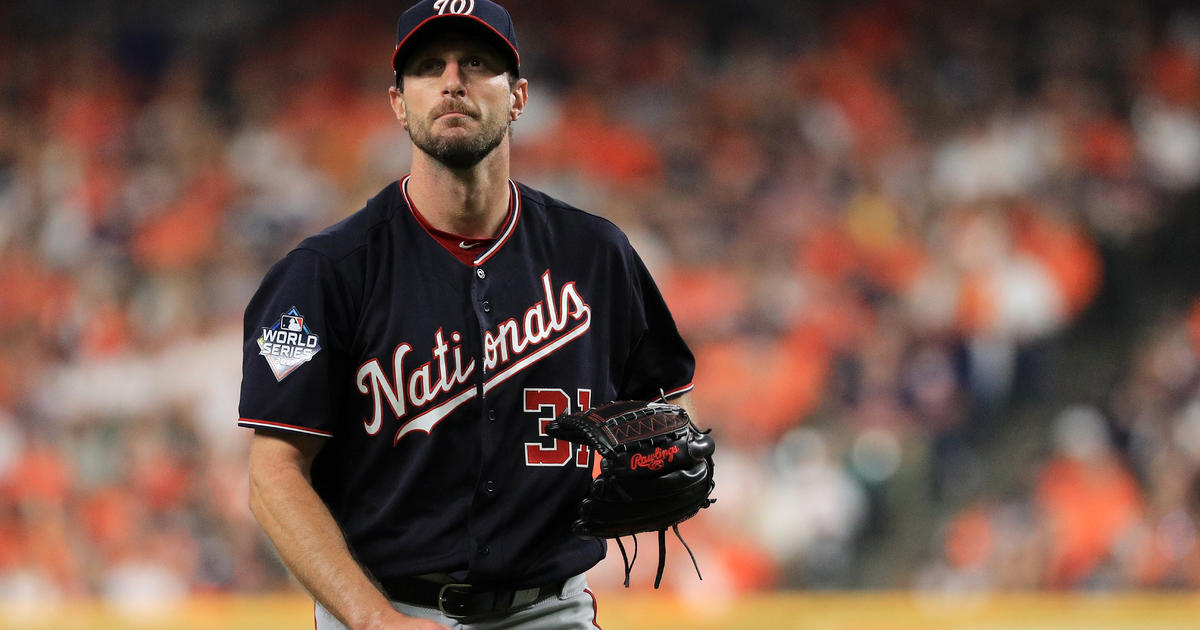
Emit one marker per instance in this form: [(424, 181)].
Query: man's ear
[(520, 96), (397, 98)]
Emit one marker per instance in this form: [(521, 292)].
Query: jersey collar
[(514, 214)]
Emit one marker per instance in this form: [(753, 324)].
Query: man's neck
[(471, 203)]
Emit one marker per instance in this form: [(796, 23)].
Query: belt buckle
[(441, 600)]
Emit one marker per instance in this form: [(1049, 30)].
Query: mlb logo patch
[(293, 323), (288, 344)]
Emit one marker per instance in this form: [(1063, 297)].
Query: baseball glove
[(656, 471)]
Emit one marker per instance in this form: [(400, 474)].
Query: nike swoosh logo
[(466, 245)]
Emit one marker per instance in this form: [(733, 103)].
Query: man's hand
[(421, 624), (404, 622)]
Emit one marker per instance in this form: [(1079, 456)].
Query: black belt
[(460, 601)]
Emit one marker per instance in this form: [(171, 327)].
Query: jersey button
[(483, 550), (480, 273), (492, 415), (490, 486), (487, 306)]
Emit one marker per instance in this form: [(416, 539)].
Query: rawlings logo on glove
[(655, 460), (656, 471)]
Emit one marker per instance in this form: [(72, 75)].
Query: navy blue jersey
[(433, 380)]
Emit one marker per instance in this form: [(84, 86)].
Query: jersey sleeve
[(659, 362), (295, 337)]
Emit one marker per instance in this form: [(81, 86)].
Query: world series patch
[(288, 344)]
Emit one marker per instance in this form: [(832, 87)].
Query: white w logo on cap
[(457, 7)]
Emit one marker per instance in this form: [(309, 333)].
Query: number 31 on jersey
[(549, 404)]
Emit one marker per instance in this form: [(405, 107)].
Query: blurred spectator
[(809, 512), (1088, 501)]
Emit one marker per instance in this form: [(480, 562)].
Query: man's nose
[(452, 83)]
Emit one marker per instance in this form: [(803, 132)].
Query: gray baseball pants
[(573, 609)]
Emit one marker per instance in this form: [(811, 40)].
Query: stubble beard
[(459, 152)]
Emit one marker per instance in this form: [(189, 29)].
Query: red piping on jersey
[(515, 206), (679, 391), (514, 212), (251, 422), (595, 608)]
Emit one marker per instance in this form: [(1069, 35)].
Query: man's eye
[(475, 62)]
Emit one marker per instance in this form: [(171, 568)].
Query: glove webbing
[(662, 555)]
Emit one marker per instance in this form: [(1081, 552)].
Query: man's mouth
[(453, 110)]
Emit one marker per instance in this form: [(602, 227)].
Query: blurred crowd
[(876, 224)]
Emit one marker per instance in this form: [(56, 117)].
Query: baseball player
[(401, 366)]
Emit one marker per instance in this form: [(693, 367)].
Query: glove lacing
[(662, 555)]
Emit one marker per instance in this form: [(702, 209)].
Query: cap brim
[(468, 23)]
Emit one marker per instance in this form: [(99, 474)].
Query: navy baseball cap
[(481, 16)]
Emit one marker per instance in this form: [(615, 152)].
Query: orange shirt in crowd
[(1087, 506)]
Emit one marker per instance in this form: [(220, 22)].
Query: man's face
[(457, 102)]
